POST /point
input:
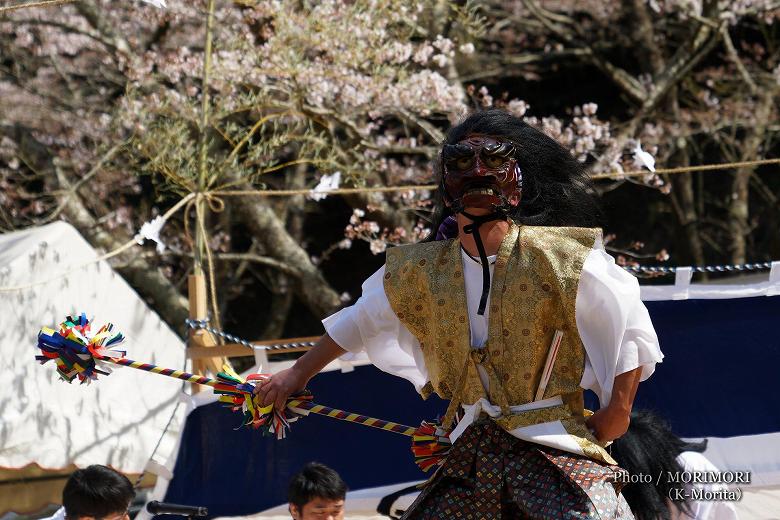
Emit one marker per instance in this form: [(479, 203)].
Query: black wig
[(649, 448), (556, 188)]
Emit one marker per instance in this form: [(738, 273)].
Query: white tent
[(49, 427)]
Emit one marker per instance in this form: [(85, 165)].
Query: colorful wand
[(78, 354), (430, 443)]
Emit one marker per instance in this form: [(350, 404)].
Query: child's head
[(97, 492), (317, 492)]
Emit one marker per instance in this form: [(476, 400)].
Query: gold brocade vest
[(533, 293)]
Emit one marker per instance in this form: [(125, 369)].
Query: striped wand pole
[(302, 406), (178, 374), (296, 405), (78, 354)]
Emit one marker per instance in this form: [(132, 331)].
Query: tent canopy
[(50, 426)]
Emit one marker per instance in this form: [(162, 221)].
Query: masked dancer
[(509, 313)]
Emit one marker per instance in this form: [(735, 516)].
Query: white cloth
[(695, 462), (472, 412), (612, 321), (59, 514)]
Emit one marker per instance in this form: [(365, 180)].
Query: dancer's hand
[(277, 388), (607, 424), (281, 385)]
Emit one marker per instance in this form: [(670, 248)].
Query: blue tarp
[(718, 379), (237, 472), (719, 376)]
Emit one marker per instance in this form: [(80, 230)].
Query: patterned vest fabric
[(533, 294)]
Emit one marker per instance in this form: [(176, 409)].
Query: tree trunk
[(684, 200), (686, 213), (739, 210), (282, 292), (269, 231)]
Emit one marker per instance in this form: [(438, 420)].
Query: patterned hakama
[(491, 475)]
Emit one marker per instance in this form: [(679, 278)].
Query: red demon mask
[(481, 171)]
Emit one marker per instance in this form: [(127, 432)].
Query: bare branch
[(628, 83), (264, 224), (244, 257), (732, 52)]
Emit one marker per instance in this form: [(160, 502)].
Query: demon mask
[(481, 171)]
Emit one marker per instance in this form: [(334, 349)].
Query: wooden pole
[(196, 285)]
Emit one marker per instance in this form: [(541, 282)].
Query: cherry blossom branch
[(96, 36), (73, 189), (95, 19)]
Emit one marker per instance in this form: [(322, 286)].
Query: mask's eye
[(493, 161), (464, 163)]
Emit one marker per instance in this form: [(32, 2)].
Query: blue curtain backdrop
[(719, 376), (238, 472), (718, 379)]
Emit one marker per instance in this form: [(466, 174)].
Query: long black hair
[(556, 188), (649, 449)]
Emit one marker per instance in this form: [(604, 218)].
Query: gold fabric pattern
[(540, 299), (434, 313), (586, 441), (533, 293)]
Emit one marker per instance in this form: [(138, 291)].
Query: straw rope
[(42, 3), (127, 245), (214, 200), (685, 169)]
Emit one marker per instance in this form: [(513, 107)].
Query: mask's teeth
[(481, 191)]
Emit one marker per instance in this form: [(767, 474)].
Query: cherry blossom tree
[(110, 112)]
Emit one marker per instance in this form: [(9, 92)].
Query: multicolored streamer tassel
[(430, 445), (76, 352), (238, 393), (79, 354)]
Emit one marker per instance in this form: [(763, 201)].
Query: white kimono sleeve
[(370, 325), (614, 325)]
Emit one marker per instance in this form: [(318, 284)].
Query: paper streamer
[(430, 445)]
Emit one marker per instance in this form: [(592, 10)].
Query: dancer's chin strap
[(476, 222)]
